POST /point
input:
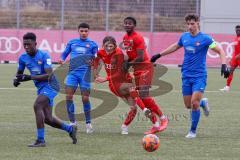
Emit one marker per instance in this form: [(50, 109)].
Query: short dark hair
[(83, 25), (132, 19), (30, 35), (190, 17), (237, 26), (109, 39)]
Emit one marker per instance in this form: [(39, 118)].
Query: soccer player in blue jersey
[(39, 65), (194, 73), (82, 51)]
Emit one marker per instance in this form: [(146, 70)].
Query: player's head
[(109, 44), (29, 43), (192, 21), (237, 29), (129, 24), (83, 30)]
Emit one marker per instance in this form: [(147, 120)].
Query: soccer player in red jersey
[(134, 45), (120, 81), (235, 60)]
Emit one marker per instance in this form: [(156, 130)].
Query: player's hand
[(225, 71), (23, 77), (16, 83), (126, 66), (100, 79), (155, 57), (237, 57)]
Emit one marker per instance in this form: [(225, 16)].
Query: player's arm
[(20, 71), (65, 53), (97, 66), (224, 70), (172, 48)]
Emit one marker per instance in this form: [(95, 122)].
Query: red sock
[(150, 103), (153, 118), (229, 80), (130, 116), (140, 103)]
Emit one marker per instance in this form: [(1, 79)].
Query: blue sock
[(40, 134), (66, 127), (195, 119), (70, 109), (87, 112), (201, 103)]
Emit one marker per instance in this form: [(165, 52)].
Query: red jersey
[(236, 46), (132, 43), (113, 65)]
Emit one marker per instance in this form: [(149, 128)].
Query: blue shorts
[(81, 78), (193, 84), (48, 92)]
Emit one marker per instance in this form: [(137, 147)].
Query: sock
[(66, 127), (131, 115), (40, 134), (71, 110), (150, 103), (229, 79), (201, 103), (87, 112), (140, 103), (156, 124), (153, 118), (195, 114)]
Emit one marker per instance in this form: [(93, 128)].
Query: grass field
[(218, 135)]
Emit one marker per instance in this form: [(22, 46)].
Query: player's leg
[(56, 123), (70, 88), (128, 89), (39, 115), (198, 87), (130, 116), (85, 86), (233, 64)]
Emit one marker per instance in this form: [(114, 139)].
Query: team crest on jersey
[(39, 62), (87, 45), (197, 44)]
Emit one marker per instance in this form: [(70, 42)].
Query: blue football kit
[(194, 73), (36, 66), (82, 52)]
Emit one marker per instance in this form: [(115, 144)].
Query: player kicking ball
[(120, 81), (40, 67)]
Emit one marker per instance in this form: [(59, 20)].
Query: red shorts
[(234, 63), (115, 87), (143, 75)]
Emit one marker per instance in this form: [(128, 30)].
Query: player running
[(39, 65), (194, 72), (134, 45), (120, 81), (82, 51), (235, 60)]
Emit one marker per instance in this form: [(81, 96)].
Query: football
[(150, 142)]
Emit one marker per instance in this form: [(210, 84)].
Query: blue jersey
[(36, 65), (81, 53), (195, 51)]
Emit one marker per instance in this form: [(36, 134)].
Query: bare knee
[(85, 99), (195, 104)]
